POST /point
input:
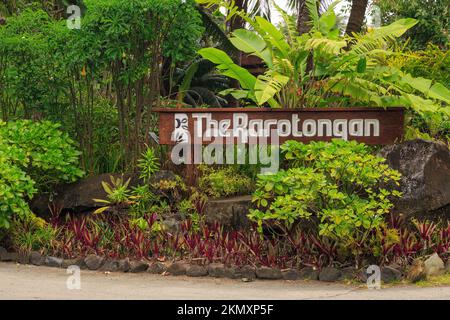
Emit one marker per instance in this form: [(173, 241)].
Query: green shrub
[(340, 184), (32, 234), (226, 181), (33, 156)]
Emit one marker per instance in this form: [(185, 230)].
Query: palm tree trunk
[(303, 17), (357, 15)]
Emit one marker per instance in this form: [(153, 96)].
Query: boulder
[(233, 272), (229, 212), (390, 274), (290, 274), (195, 270), (53, 262), (268, 273), (78, 196), (247, 272), (138, 266), (124, 265), (216, 270), (348, 273), (8, 256), (110, 265), (425, 169), (434, 266), (36, 258), (73, 262), (157, 268), (330, 274), (309, 273), (177, 269), (93, 262)]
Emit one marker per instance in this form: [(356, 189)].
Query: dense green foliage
[(226, 181), (34, 156), (110, 68), (341, 184), (324, 68), (432, 16)]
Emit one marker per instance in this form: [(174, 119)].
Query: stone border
[(183, 268)]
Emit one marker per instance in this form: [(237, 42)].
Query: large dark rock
[(229, 212), (36, 258), (177, 269), (425, 169), (268, 273), (330, 274), (93, 262), (78, 196), (196, 271)]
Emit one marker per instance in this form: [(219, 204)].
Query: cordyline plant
[(323, 67)]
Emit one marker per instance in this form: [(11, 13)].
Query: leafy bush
[(225, 181), (341, 184), (34, 156)]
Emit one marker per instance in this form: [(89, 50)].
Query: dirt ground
[(30, 282)]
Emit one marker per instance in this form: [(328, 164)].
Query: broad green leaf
[(251, 43), (440, 92), (228, 68), (276, 38), (267, 86)]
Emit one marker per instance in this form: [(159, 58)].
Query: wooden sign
[(375, 126)]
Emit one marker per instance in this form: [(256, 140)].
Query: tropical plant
[(148, 164), (340, 184), (432, 16), (198, 84), (117, 193), (226, 181), (34, 156), (346, 70)]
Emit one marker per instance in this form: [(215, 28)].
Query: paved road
[(30, 282)]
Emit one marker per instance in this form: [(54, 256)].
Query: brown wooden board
[(375, 126)]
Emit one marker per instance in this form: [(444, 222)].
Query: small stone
[(434, 266), (124, 265), (69, 262), (196, 271), (93, 262), (248, 272), (177, 269), (36, 258), (110, 265), (348, 273), (290, 274), (330, 274), (138, 266), (157, 268), (216, 270), (390, 274), (232, 272), (309, 273), (53, 262), (268, 273), (9, 256)]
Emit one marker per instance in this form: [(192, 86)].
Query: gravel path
[(30, 282)]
